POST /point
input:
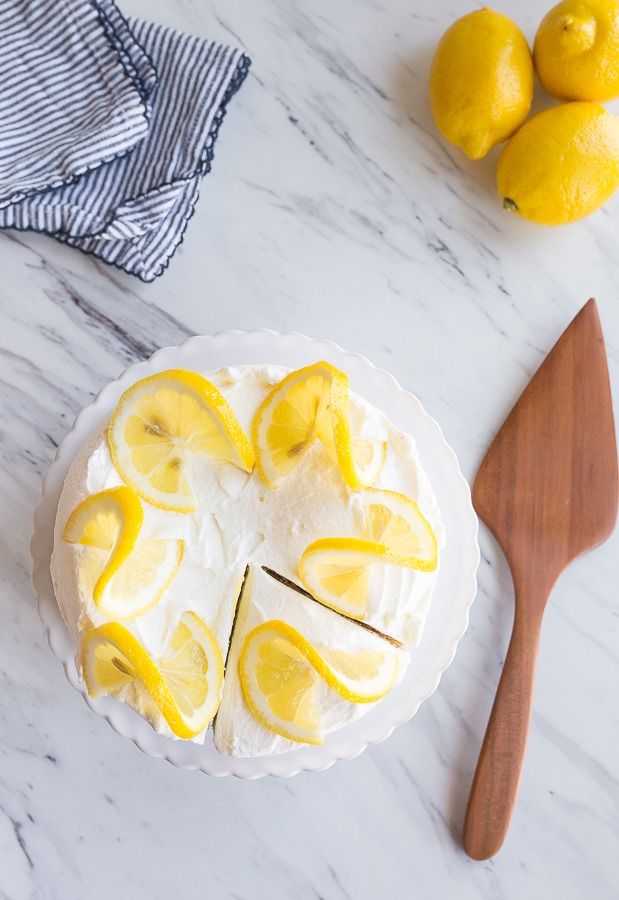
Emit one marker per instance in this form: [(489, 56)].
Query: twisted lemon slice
[(185, 685), (125, 576), (395, 521), (307, 405), (164, 422), (281, 675), (338, 571), (369, 458)]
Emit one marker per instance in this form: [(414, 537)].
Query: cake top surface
[(239, 521)]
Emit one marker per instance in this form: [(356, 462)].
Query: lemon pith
[(552, 188), (311, 404), (185, 685), (481, 81), (161, 424), (576, 50), (280, 670)]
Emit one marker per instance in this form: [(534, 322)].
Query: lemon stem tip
[(509, 204)]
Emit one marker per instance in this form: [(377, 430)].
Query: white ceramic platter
[(455, 589)]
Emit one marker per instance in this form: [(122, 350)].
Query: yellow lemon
[(577, 50), (561, 165), (162, 424), (280, 673), (185, 685), (481, 81), (312, 404), (338, 571), (124, 574), (396, 521)]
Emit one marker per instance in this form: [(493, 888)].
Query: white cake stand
[(455, 589)]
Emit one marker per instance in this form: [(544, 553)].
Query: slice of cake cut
[(297, 671)]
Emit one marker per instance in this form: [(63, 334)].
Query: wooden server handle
[(495, 784)]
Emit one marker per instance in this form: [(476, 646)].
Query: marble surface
[(333, 208)]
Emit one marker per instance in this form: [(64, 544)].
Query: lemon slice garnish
[(362, 676), (286, 422), (281, 674), (185, 685), (307, 405), (338, 571), (369, 457), (124, 576), (161, 424), (394, 520)]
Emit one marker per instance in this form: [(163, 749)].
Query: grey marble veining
[(333, 208)]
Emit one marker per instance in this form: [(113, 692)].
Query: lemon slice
[(124, 576), (286, 422), (281, 673), (364, 676), (338, 572), (307, 405), (139, 583), (164, 422), (185, 686), (360, 459), (280, 686), (369, 457), (394, 520)]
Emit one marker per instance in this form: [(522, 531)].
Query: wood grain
[(548, 491)]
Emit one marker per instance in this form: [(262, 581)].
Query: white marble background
[(334, 209)]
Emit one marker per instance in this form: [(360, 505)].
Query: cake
[(252, 546)]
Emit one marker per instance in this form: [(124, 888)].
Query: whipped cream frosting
[(239, 521)]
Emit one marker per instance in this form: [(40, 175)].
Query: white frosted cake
[(284, 484)]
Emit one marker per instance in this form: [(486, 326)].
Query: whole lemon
[(577, 50), (481, 81), (561, 165)]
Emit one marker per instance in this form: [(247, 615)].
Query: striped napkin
[(68, 100), (107, 126)]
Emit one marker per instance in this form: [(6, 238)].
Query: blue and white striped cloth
[(74, 92), (110, 126)]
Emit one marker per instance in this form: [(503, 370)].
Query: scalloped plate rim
[(125, 721)]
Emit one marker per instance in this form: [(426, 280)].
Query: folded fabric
[(132, 211), (74, 88)]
